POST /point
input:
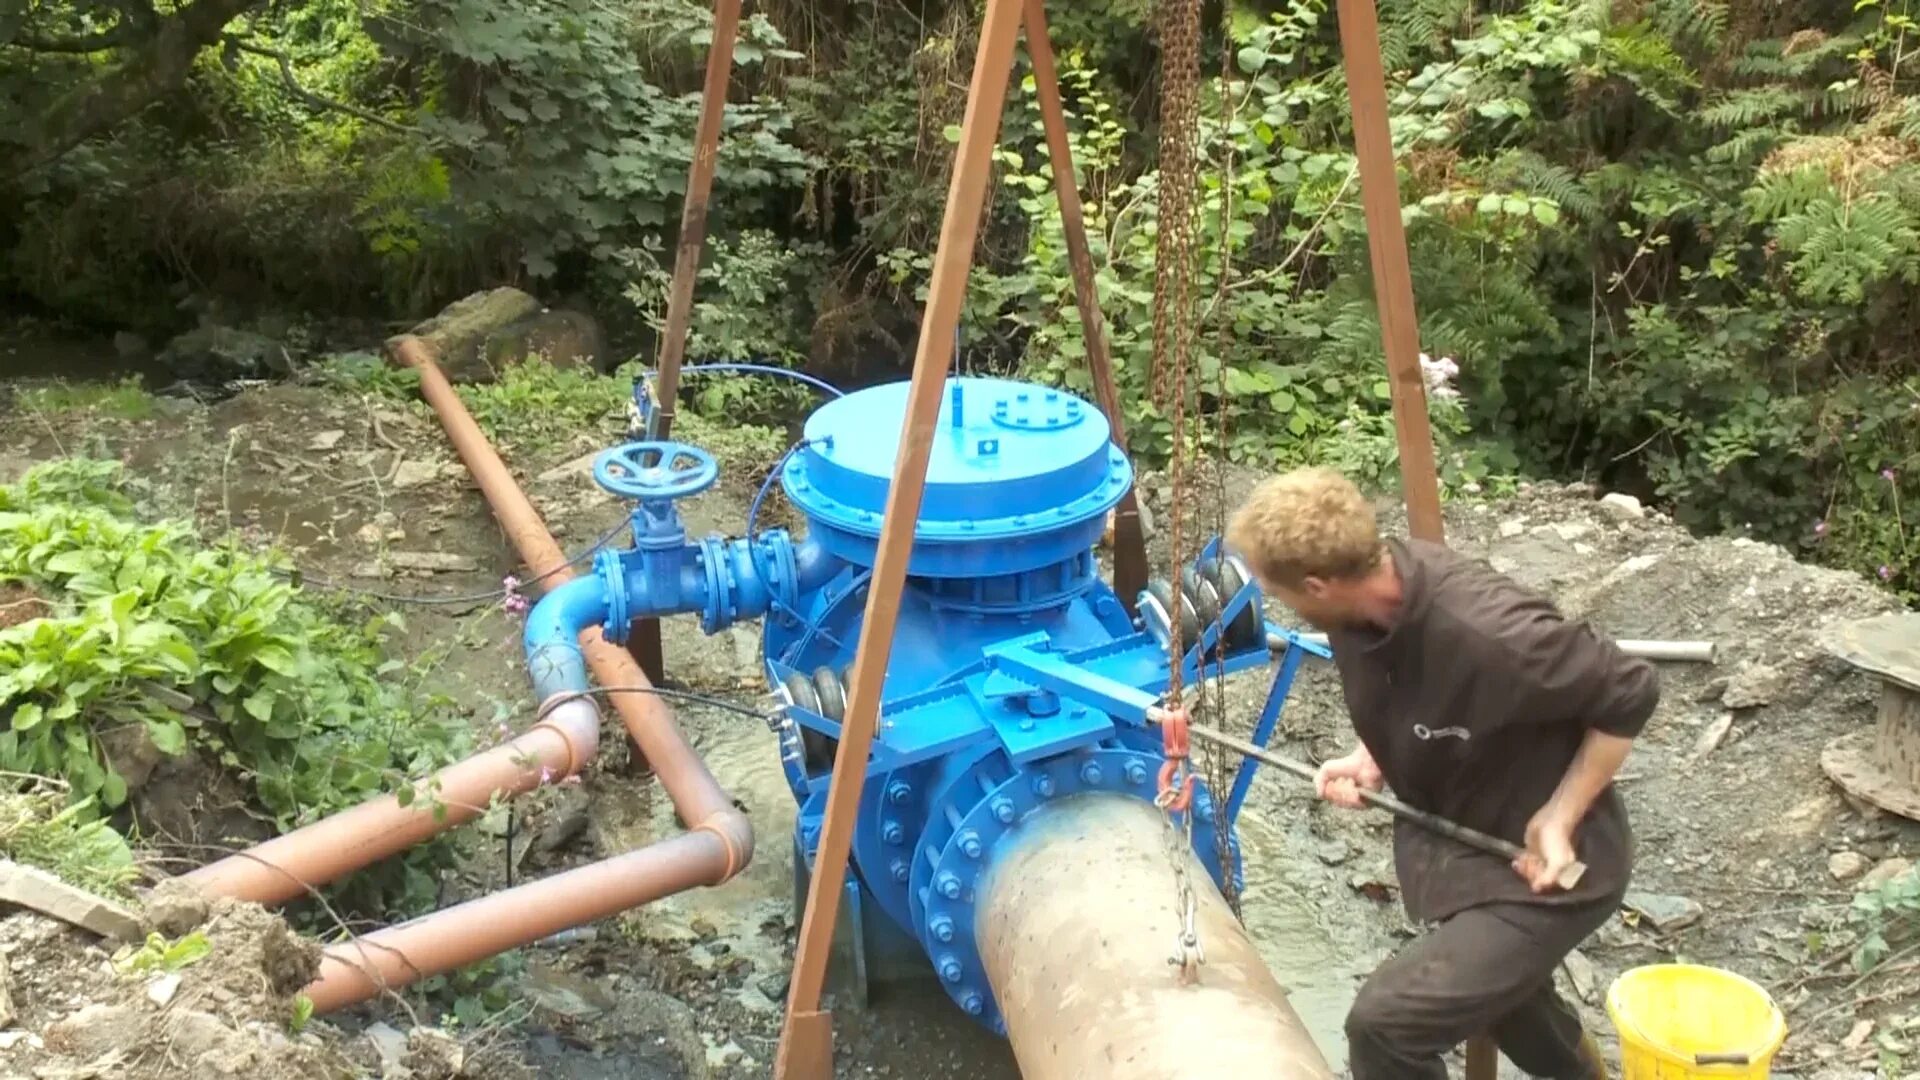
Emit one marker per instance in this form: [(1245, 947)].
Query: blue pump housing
[(1016, 677)]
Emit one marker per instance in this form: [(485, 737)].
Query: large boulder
[(212, 353), (475, 337)]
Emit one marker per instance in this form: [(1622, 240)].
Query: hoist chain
[(1172, 346)]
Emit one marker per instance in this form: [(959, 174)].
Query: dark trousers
[(1485, 971)]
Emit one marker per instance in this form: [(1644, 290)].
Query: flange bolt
[(1004, 811), (1136, 773), (901, 871), (942, 928), (1043, 786), (973, 1004), (899, 792), (949, 886), (950, 969), (893, 833), (1090, 774)]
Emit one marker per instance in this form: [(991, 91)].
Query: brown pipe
[(697, 796), (287, 866), (447, 940), (1076, 922)]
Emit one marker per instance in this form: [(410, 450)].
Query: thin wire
[(768, 369), (302, 578), (708, 700)]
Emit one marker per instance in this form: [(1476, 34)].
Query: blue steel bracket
[(641, 413)]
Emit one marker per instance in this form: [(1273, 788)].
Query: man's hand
[(1549, 849), (1341, 780)]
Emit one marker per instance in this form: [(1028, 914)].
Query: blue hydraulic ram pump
[(1017, 676)]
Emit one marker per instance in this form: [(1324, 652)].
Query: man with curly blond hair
[(1473, 698)]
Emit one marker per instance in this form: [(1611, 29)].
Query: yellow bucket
[(1685, 1020)]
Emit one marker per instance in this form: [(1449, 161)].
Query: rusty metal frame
[(806, 1040), (643, 639)]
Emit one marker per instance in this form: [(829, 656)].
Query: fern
[(1419, 25), (1529, 172), (1779, 195), (1696, 25), (1745, 146), (1842, 248), (1746, 108)]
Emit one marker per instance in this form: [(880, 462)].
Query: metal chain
[(1172, 346)]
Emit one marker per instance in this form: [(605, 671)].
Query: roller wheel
[(1247, 628), (1207, 599), (1162, 593), (816, 748), (832, 694)]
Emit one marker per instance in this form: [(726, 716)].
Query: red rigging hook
[(1176, 779)]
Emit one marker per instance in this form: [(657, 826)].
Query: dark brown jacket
[(1473, 706)]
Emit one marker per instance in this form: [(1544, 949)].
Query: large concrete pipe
[(1076, 921)]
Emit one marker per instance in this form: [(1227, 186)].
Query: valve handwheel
[(647, 471)]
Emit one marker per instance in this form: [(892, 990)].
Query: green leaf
[(951, 133), (113, 791), (168, 737), (277, 659), (259, 704), (27, 717), (1546, 213), (1488, 204)]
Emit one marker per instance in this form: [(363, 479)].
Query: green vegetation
[(124, 400), (211, 653), (1669, 245), (42, 827)]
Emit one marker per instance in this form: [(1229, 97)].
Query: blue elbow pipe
[(553, 631)]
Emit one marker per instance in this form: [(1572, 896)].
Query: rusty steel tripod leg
[(1075, 924), (1129, 540)]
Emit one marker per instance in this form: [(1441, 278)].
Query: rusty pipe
[(285, 867), (697, 797), (1075, 923), (448, 940)]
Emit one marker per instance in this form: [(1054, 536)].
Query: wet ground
[(692, 985)]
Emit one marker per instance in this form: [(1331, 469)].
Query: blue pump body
[(1016, 675)]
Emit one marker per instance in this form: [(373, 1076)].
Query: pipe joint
[(576, 719)]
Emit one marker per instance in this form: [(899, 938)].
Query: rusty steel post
[(643, 637), (1392, 276), (1129, 540), (1086, 995), (806, 1039)]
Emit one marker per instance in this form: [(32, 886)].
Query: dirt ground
[(1742, 841)]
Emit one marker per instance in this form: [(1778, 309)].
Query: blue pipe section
[(552, 635)]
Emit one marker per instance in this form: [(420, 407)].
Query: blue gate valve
[(626, 471)]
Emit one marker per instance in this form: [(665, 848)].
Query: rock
[(369, 534), (95, 1030), (1581, 974), (1753, 685), (1512, 529), (1846, 865), (1572, 530), (581, 467), (1713, 736), (1663, 912), (433, 1054), (412, 474), (1884, 873), (31, 887), (129, 345), (1857, 1038), (1333, 852), (561, 338), (389, 1043), (775, 986), (432, 562), (721, 1057), (161, 989), (1713, 691), (326, 440), (1622, 506), (458, 335), (6, 993), (132, 751), (217, 353)]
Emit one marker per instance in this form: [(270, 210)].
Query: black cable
[(558, 700), (301, 578)]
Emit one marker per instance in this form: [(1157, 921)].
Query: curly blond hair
[(1306, 523)]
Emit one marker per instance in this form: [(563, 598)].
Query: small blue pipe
[(768, 369), (553, 635)]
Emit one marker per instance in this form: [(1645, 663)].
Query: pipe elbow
[(814, 565), (577, 721), (735, 833), (553, 632)]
